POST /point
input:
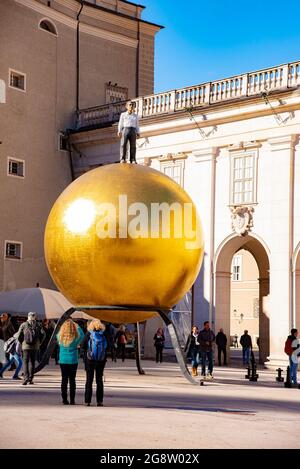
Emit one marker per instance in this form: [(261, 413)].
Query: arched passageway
[(222, 281)]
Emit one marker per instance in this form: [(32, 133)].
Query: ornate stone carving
[(173, 156), (242, 219)]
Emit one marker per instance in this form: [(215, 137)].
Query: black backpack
[(30, 335), (10, 345)]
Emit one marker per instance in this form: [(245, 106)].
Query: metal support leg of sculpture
[(176, 346), (138, 350), (52, 341)]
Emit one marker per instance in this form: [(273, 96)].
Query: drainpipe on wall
[(291, 234), (138, 62), (78, 59), (70, 154), (212, 318)]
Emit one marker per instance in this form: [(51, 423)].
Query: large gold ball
[(101, 251)]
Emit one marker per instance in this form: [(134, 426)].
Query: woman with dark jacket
[(193, 348), (159, 343), (95, 345)]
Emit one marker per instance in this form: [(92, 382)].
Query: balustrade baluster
[(254, 83)]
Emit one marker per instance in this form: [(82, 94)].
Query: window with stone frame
[(17, 80), (174, 169), (16, 167), (48, 26), (13, 250), (236, 268), (243, 178)]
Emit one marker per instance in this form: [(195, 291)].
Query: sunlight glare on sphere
[(79, 216)]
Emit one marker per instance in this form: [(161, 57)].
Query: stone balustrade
[(250, 84)]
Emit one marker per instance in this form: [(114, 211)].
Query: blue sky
[(208, 40)]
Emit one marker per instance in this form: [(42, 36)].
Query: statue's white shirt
[(129, 120)]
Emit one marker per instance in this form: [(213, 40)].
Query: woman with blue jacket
[(69, 338)]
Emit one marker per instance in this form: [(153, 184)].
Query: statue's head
[(130, 106)]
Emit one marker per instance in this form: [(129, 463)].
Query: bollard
[(287, 383), (279, 378), (253, 375)]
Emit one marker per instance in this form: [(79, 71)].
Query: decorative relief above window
[(242, 219), (115, 93)]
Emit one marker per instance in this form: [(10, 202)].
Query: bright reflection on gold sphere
[(124, 234)]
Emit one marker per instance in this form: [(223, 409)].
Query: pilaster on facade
[(2, 92), (205, 154), (283, 142)]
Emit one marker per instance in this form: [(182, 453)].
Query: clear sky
[(208, 40)]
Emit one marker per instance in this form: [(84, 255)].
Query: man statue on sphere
[(128, 130)]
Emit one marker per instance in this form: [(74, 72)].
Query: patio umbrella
[(47, 304)]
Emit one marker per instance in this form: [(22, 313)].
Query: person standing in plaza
[(31, 335), (68, 338), (295, 357), (159, 343), (290, 348), (235, 341), (221, 341), (193, 348), (121, 341), (206, 339), (48, 329), (95, 347), (110, 337), (128, 130), (246, 343)]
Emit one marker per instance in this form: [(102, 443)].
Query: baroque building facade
[(234, 146)]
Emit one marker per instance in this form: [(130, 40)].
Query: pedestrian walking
[(193, 348), (159, 343), (13, 347), (31, 335), (246, 343), (7, 330), (221, 341), (206, 339), (95, 346), (68, 338)]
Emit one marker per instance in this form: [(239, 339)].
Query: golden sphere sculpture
[(124, 234)]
